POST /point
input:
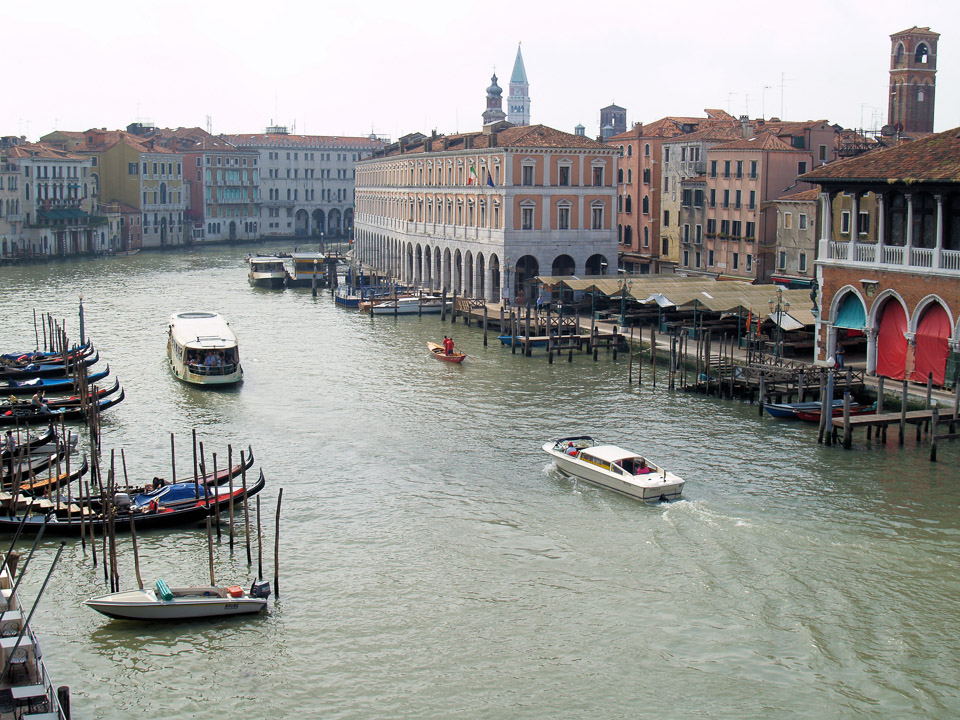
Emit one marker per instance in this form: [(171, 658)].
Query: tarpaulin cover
[(851, 314), (891, 342), (931, 348)]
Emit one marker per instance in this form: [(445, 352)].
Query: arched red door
[(891, 342), (932, 350)]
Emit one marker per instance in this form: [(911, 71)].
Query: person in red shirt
[(448, 345)]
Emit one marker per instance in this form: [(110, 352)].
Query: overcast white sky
[(346, 67)]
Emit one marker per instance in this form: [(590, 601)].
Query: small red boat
[(814, 415), (440, 354)]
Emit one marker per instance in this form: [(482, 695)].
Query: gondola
[(147, 520), (37, 486), (45, 370), (150, 517), (16, 360), (34, 416), (31, 443), (12, 466), (62, 402), (51, 385)]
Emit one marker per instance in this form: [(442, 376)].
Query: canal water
[(435, 564)]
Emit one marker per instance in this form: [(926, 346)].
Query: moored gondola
[(35, 486), (65, 401), (34, 415), (45, 370), (50, 385), (19, 360)]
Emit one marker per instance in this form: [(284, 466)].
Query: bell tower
[(494, 111), (913, 79), (518, 102)]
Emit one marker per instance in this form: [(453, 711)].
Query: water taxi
[(615, 468), (202, 349), (266, 271)]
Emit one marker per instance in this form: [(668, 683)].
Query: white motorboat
[(410, 305), (614, 468), (266, 271), (202, 349), (181, 603)]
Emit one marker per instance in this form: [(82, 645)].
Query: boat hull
[(267, 281), (438, 352), (144, 605), (649, 488)]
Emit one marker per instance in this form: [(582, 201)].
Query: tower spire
[(518, 103)]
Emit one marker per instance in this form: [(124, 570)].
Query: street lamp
[(777, 309), (625, 286)]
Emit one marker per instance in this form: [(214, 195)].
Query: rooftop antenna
[(763, 102), (783, 79), (209, 125)]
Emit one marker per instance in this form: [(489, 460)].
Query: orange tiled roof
[(802, 196), (716, 131), (526, 136), (102, 140), (38, 150), (763, 141), (310, 141), (935, 158)]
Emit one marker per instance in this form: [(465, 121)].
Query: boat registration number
[(231, 606)]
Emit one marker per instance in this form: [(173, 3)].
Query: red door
[(931, 348), (891, 342)]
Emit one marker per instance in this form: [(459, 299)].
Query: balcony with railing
[(891, 257)]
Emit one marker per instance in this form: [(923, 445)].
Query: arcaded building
[(482, 214)]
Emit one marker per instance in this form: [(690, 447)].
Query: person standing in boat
[(448, 345), (9, 444)]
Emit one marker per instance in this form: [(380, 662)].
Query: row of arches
[(487, 276), (333, 223), (902, 343)]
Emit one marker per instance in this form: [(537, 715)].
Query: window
[(749, 263), (739, 168), (666, 154), (526, 175), (563, 217), (735, 229), (646, 237), (736, 261), (696, 261), (787, 220), (646, 176), (131, 168), (753, 199), (845, 222), (628, 204), (629, 175), (698, 235), (666, 246), (711, 226), (564, 175), (686, 258), (726, 168), (863, 224), (724, 228), (709, 258), (713, 168), (801, 167), (782, 261), (823, 153), (598, 176), (646, 150), (713, 197), (686, 232), (803, 262), (683, 154), (526, 218), (751, 230), (620, 203), (598, 217), (753, 169), (736, 202), (686, 198), (629, 150), (698, 198), (666, 218), (726, 198), (802, 221), (646, 205)]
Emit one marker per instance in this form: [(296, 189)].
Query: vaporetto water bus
[(202, 349)]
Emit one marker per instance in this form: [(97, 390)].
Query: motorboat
[(615, 468), (790, 410), (182, 603), (266, 271), (409, 305), (202, 349)]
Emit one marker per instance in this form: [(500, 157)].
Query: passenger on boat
[(448, 345), (642, 468), (572, 451), (39, 402), (9, 444)]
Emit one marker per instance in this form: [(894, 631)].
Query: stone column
[(871, 351), (881, 228), (826, 226), (937, 253), (831, 342), (854, 226), (909, 242)]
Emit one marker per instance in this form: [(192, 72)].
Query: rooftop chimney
[(745, 126)]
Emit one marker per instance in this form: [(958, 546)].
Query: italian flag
[(472, 176)]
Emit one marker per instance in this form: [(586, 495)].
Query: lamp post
[(777, 309), (506, 291), (623, 301)]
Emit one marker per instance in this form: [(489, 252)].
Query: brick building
[(893, 275)]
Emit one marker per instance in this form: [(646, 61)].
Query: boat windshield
[(217, 361)]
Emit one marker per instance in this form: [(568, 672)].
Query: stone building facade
[(483, 213)]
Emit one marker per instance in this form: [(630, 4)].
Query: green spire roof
[(519, 73)]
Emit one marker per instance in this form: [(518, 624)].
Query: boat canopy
[(177, 492), (609, 453), (201, 330)]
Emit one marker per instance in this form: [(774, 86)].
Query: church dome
[(494, 89)]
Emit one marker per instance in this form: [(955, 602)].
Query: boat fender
[(163, 591)]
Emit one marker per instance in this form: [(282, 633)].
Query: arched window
[(628, 235), (922, 53), (620, 175), (646, 150), (619, 203), (898, 55), (629, 150), (628, 204), (619, 233), (646, 204)]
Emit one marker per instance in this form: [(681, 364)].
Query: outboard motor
[(122, 501), (260, 589)]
